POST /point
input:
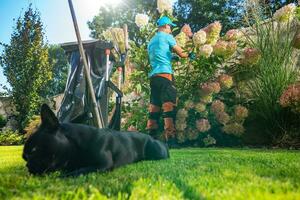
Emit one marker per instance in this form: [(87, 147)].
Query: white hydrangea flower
[(181, 39), (164, 5), (206, 50), (199, 38), (141, 20), (286, 13)]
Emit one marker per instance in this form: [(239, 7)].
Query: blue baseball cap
[(164, 21)]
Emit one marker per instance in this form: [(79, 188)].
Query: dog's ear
[(48, 117)]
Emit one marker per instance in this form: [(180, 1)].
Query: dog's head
[(44, 148)]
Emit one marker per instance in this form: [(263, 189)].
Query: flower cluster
[(286, 13), (224, 48), (291, 98), (233, 35), (213, 32), (199, 38), (141, 20), (182, 39), (240, 113), (234, 128), (207, 89), (192, 134), (181, 124), (296, 41), (206, 50), (251, 56), (225, 81), (189, 104), (132, 128), (217, 106), (222, 117), (187, 30), (209, 141), (203, 125), (200, 107), (181, 116), (164, 5)]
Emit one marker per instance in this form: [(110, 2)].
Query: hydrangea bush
[(213, 98)]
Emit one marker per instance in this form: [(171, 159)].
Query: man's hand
[(180, 52)]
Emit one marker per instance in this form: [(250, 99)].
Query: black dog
[(77, 149)]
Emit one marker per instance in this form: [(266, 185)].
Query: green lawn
[(189, 174)]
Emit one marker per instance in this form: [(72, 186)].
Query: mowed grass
[(188, 174)]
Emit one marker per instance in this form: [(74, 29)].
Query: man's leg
[(169, 113), (152, 123)]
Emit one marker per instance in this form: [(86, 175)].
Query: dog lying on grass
[(79, 149)]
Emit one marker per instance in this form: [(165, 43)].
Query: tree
[(118, 16), (25, 63), (60, 66), (200, 13)]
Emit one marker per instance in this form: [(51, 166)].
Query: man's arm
[(180, 52)]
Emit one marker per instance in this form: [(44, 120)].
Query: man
[(163, 92)]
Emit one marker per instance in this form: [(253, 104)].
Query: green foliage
[(60, 66), (212, 173), (161, 189), (272, 74), (26, 64), (3, 121), (9, 137), (135, 115), (118, 16), (199, 13)]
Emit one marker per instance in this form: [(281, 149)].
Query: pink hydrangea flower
[(296, 41), (234, 129), (132, 128), (286, 13), (225, 81), (180, 126), (233, 35), (213, 32), (182, 114), (240, 112), (187, 30), (291, 98), (251, 56), (189, 104), (222, 117), (203, 125), (206, 50), (225, 49), (206, 99), (216, 87), (220, 48), (207, 89), (217, 106), (192, 134), (200, 107)]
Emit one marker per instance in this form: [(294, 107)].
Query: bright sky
[(55, 16)]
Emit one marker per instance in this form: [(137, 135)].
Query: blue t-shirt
[(160, 53)]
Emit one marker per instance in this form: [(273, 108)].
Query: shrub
[(9, 137), (275, 69), (32, 126), (3, 121)]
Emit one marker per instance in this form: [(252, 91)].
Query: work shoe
[(154, 134)]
